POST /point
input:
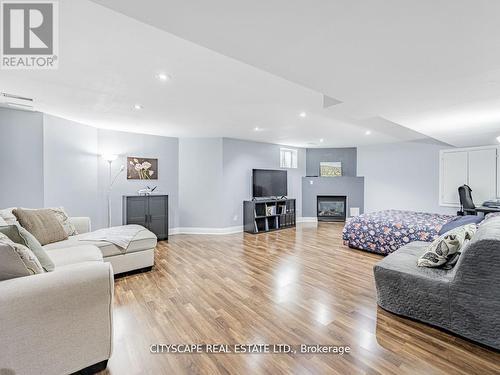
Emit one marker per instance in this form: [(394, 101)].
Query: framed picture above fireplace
[(330, 169)]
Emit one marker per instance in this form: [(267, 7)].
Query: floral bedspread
[(386, 231)]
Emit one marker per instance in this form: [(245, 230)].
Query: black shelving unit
[(266, 215)]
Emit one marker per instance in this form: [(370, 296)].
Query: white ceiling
[(431, 66)]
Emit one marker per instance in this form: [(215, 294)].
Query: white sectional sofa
[(58, 322), (138, 255)]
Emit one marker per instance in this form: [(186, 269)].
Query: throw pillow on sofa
[(43, 224), (443, 248), (16, 260), (63, 218), (7, 215), (8, 218), (19, 235)]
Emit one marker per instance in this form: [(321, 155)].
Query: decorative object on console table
[(146, 191), (142, 168), (265, 215), (330, 169), (150, 211)]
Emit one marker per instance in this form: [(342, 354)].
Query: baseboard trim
[(198, 230), (226, 230), (306, 219)]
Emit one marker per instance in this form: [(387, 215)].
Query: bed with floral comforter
[(386, 231)]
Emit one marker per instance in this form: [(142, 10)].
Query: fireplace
[(332, 207)]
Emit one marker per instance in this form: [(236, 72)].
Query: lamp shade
[(109, 157)]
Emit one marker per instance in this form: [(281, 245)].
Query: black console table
[(265, 215), (150, 211)]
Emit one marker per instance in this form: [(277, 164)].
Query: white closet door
[(453, 174), (482, 175)]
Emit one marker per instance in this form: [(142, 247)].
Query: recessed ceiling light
[(163, 77), (368, 132), (302, 114), (138, 107), (498, 139), (321, 140)]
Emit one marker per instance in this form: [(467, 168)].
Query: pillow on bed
[(460, 221), (443, 248)]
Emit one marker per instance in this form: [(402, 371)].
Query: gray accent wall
[(70, 155), (21, 156), (345, 155), (351, 187), (239, 158), (402, 176)]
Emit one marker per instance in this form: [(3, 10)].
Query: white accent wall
[(402, 176)]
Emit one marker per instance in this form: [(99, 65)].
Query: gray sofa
[(464, 300)]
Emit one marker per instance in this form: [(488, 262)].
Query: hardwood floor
[(297, 286)]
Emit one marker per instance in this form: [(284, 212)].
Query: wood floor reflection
[(294, 286)]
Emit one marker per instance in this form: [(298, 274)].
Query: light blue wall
[(201, 183), (21, 158), (239, 158), (70, 167), (402, 176), (50, 161), (165, 149)]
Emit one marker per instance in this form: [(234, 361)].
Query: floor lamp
[(110, 158)]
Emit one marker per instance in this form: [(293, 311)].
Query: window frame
[(292, 162)]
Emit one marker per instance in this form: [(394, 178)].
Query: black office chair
[(466, 202)]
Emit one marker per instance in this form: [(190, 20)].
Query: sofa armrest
[(57, 322), (82, 224)]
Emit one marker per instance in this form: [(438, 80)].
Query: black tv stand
[(266, 215)]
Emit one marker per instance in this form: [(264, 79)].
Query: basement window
[(288, 158)]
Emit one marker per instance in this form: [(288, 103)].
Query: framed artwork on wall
[(142, 168), (330, 169)]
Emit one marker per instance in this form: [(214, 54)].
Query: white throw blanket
[(120, 236)]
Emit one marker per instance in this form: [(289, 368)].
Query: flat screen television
[(269, 183)]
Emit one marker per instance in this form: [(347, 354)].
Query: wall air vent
[(16, 102)]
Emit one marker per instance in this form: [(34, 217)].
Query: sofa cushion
[(417, 292), (144, 240), (75, 254), (43, 224), (16, 260)]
